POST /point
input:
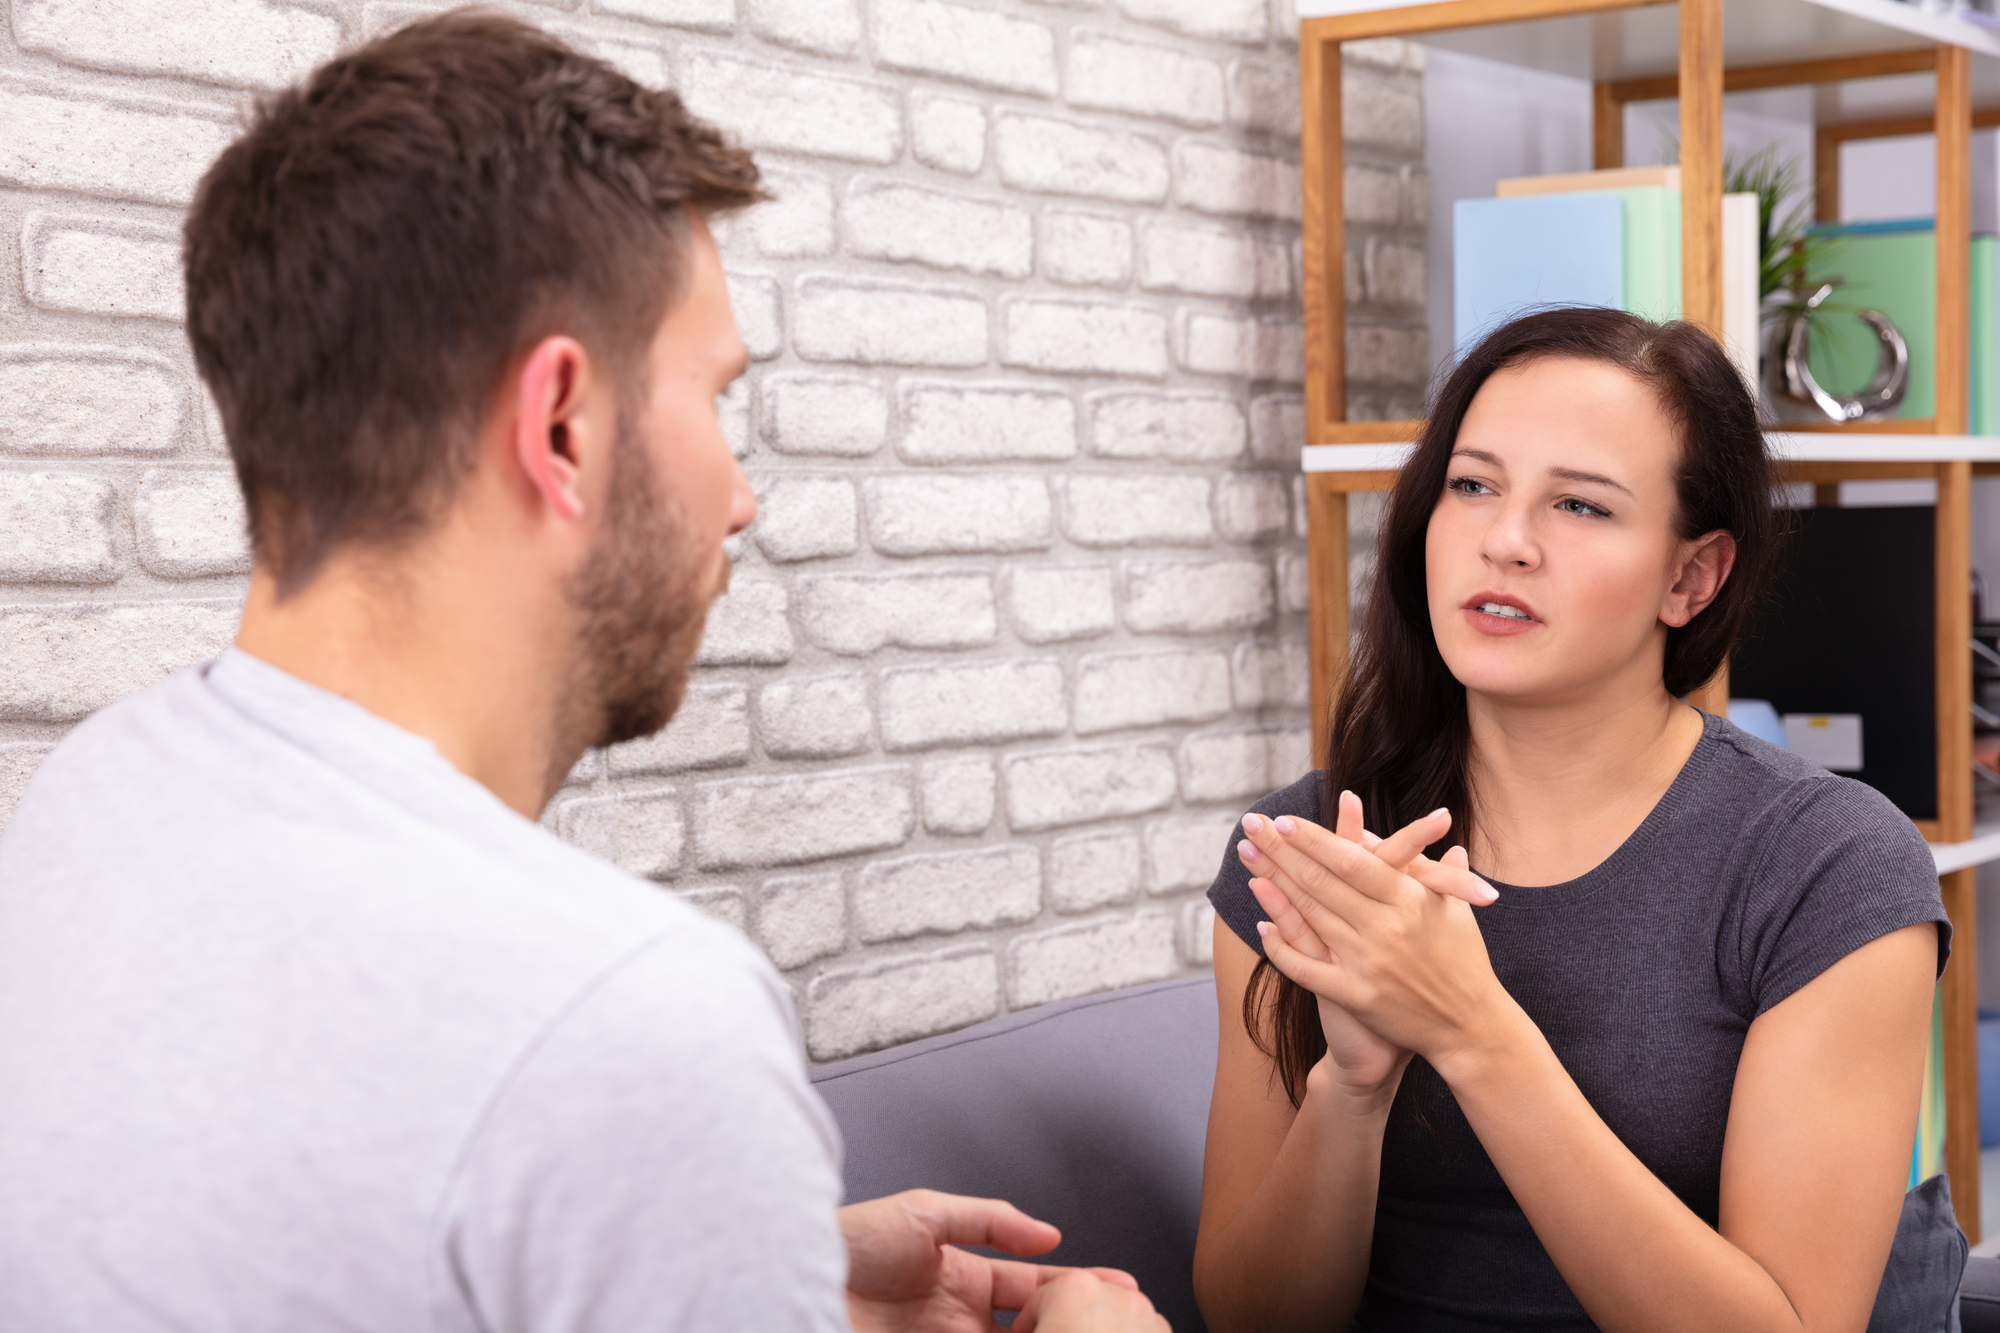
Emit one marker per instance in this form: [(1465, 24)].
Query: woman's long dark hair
[(1400, 735)]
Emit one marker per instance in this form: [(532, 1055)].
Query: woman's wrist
[(1328, 1089), (1501, 1039)]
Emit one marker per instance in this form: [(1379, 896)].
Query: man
[(304, 1023)]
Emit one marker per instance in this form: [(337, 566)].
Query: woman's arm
[(1287, 1197), (1820, 1127)]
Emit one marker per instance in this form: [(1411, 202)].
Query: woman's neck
[(1559, 788)]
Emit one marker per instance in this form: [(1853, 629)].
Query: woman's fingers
[(1450, 877), (1321, 978), (1278, 907), (1326, 866), (1408, 842), (1347, 820)]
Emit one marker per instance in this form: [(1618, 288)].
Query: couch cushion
[(1090, 1114)]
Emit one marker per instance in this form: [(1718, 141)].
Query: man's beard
[(641, 599)]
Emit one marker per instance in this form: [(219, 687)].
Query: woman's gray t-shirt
[(1756, 872)]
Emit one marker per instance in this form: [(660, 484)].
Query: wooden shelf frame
[(1700, 84)]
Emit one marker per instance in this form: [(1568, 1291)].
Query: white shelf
[(1645, 42), (1800, 447), (1984, 846)]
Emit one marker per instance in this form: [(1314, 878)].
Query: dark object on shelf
[(1848, 628)]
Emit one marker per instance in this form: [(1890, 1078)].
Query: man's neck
[(436, 656)]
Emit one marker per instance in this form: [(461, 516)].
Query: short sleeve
[(1840, 867), (1230, 893), (657, 1162)]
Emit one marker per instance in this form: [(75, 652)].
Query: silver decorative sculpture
[(1791, 381)]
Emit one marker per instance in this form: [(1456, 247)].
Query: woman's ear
[(1704, 567)]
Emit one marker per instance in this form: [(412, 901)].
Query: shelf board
[(1982, 847), (1786, 447), (1644, 40)]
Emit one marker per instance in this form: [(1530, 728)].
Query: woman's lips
[(1498, 614)]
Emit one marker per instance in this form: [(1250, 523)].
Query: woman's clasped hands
[(1382, 935)]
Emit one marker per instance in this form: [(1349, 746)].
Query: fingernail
[(1441, 810), (1251, 823), (1263, 929), (1285, 825), (1248, 849)]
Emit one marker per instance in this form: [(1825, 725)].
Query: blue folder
[(1511, 256)]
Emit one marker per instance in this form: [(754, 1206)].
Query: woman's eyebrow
[(1571, 474)]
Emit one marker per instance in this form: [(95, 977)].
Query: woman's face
[(1553, 564)]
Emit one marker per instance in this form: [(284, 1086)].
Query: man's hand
[(906, 1274)]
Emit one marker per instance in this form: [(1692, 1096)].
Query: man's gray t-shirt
[(1756, 872), (302, 1029)]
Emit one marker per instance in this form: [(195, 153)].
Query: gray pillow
[(1919, 1291)]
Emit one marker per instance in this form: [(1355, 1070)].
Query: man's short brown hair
[(365, 263)]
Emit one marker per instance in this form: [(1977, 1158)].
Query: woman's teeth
[(1511, 612)]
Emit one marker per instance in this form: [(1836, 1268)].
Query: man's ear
[(546, 437), (1704, 568)]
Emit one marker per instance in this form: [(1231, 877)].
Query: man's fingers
[(957, 1219)]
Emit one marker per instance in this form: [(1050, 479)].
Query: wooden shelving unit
[(1698, 50)]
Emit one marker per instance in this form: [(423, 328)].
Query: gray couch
[(1091, 1114)]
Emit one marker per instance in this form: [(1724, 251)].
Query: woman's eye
[(1572, 505), (1467, 486)]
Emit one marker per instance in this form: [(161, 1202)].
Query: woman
[(1668, 1077)]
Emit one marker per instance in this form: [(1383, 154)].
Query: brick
[(947, 133), (55, 527), (1093, 870), (126, 149), (1387, 113), (820, 717), (818, 415), (1086, 249), (1082, 960), (1051, 604), (1371, 195), (758, 307), (856, 614), (789, 110), (1062, 787), (945, 423), (1198, 933), (1294, 581), (585, 771), (887, 220), (1291, 756), (18, 763), (1417, 196), (1264, 98), (1389, 53), (709, 15), (1209, 261), (230, 41), (1251, 506), (935, 515), (797, 221), (1181, 428), (1272, 674), (957, 794), (1395, 272), (783, 821), (1226, 766), (802, 917), (190, 523), (1061, 157), (841, 320), (1123, 690), (970, 45), (982, 703), (1109, 510), (1249, 348), (63, 661), (1230, 20), (1277, 429), (1233, 182), (995, 886), (806, 518), (723, 903), (828, 27), (1084, 338), (100, 266), (1197, 597), (1386, 354), (214, 436), (641, 832), (748, 626), (1353, 286), (1107, 73), (1186, 853), (711, 729), (863, 1009), (645, 65), (732, 413)]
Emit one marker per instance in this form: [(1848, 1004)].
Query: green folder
[(1892, 267), (1652, 251)]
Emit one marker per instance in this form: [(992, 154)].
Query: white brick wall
[(1020, 628)]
